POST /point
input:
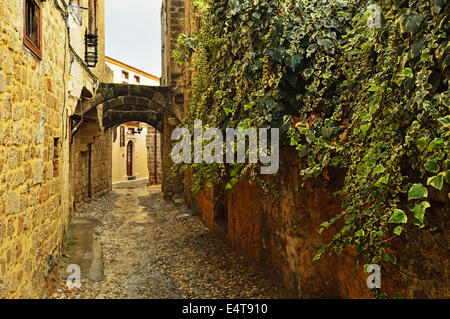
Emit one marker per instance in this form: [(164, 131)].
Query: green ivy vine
[(371, 101)]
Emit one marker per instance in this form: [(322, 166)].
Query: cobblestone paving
[(153, 249)]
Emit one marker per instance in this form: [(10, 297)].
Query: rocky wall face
[(32, 217)]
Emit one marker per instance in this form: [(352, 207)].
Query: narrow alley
[(224, 149), (154, 249)]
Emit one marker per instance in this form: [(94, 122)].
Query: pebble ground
[(154, 249)]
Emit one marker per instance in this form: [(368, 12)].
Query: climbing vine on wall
[(373, 101)]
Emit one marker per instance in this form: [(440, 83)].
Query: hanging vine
[(371, 101)]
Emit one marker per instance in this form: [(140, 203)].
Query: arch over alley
[(117, 104), (121, 103)]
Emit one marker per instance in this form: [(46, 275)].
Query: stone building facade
[(141, 159), (44, 83)]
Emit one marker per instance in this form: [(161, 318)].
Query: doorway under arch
[(130, 159)]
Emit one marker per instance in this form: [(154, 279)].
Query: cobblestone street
[(153, 249)]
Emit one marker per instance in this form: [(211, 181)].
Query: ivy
[(373, 102)]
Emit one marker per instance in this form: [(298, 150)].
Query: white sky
[(133, 33)]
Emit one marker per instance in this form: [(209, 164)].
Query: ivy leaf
[(360, 233), (234, 181), (437, 6), (325, 224), (326, 43), (419, 211), (389, 257), (311, 49), (411, 22), (234, 171), (421, 142), (438, 143), (294, 61), (383, 180), (378, 169), (365, 128), (417, 191), (445, 120), (407, 72), (398, 230), (228, 186), (432, 166), (319, 254), (436, 181), (308, 72), (398, 217)]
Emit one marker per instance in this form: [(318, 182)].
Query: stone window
[(137, 79), (125, 75), (33, 26)]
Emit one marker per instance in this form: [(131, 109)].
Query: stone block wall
[(154, 156), (92, 158), (279, 234), (35, 194), (32, 217), (173, 24)]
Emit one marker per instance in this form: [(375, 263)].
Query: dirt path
[(152, 249)]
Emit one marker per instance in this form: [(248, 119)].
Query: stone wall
[(32, 219), (37, 98), (91, 165), (172, 24), (154, 156), (279, 235)]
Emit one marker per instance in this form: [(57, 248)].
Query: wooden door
[(130, 159)]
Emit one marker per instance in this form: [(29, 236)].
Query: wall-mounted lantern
[(91, 49), (139, 129)]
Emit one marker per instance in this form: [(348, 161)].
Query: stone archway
[(155, 105)]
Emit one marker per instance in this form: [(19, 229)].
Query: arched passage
[(121, 103), (117, 104)]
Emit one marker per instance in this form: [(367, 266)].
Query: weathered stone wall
[(280, 235), (173, 23), (89, 149), (32, 219), (37, 97), (91, 155), (154, 156)]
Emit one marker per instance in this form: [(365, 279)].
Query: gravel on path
[(154, 249)]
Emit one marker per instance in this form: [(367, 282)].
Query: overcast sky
[(133, 33)]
